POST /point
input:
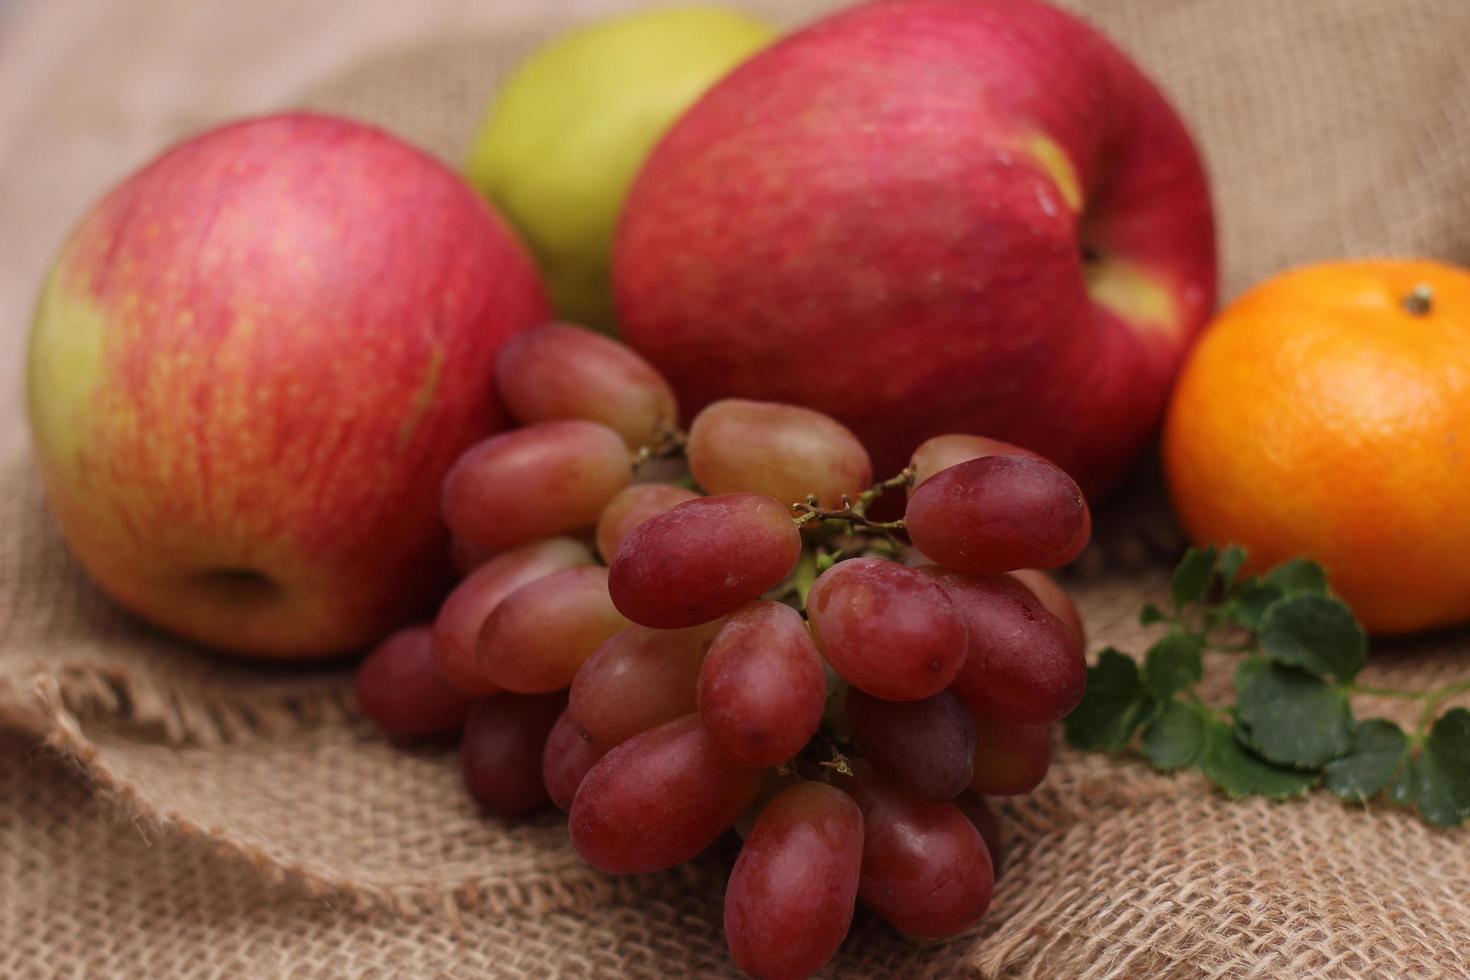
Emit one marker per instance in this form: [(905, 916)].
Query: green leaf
[(1444, 770), (1176, 736), (1173, 664), (1229, 565), (1290, 717), (1240, 772), (1298, 576), (1379, 751), (1405, 789), (1250, 603), (1151, 614), (1112, 708), (1192, 578), (1317, 633)]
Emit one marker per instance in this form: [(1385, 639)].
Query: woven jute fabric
[(164, 812)]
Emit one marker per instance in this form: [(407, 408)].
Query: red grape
[(790, 897), (466, 556), (942, 452), (999, 513), (774, 782), (783, 451), (886, 629), (457, 628), (703, 559), (925, 867), (762, 688), (1011, 758), (500, 755), (688, 690), (401, 691), (928, 746), (534, 482), (983, 817), (560, 371), (565, 760), (1055, 599), (658, 799), (540, 634), (631, 507), (1024, 663), (639, 679)]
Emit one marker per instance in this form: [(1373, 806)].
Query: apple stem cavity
[(1420, 301)]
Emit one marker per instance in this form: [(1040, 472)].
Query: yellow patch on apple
[(65, 362), (1129, 291), (1058, 166)]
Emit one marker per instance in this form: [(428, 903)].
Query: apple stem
[(1420, 300)]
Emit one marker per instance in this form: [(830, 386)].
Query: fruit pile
[(761, 648)]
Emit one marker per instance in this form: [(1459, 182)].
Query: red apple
[(927, 217), (250, 370)]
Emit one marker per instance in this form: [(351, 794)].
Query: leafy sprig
[(1291, 727)]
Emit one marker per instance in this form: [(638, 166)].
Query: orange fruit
[(1326, 413)]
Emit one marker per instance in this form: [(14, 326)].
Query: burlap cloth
[(188, 816)]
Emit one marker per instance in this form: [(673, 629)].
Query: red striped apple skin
[(885, 217), (250, 369)]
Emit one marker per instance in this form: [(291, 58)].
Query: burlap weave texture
[(198, 817)]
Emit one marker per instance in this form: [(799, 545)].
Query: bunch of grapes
[(759, 650)]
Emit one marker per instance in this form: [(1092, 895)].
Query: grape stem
[(821, 758), (852, 511), (804, 576), (669, 444)]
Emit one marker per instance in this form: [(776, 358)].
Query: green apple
[(569, 131)]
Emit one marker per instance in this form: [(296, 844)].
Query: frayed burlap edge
[(64, 733)]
